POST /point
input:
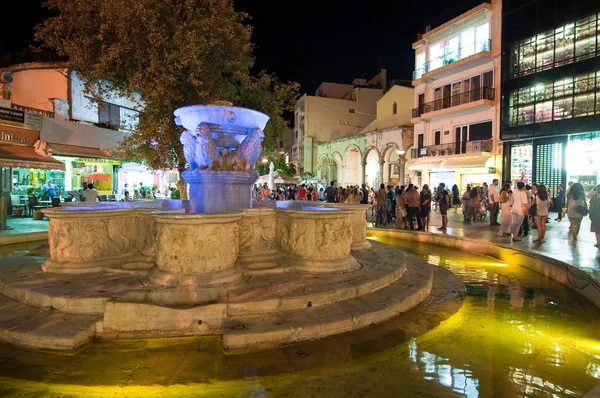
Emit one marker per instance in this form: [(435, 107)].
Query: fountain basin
[(196, 249)]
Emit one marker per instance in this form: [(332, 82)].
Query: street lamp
[(264, 162), (400, 152)]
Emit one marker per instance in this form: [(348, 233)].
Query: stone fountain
[(259, 277)]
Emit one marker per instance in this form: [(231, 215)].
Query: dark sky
[(308, 41)]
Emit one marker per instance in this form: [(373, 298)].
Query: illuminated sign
[(16, 138)]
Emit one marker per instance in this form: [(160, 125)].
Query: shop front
[(26, 167), (137, 177), (98, 171), (556, 160)]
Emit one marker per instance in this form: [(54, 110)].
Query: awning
[(425, 163), (26, 157), (466, 161), (73, 150)]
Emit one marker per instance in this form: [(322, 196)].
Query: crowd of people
[(516, 209)]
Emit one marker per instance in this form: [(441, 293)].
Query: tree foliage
[(173, 53)]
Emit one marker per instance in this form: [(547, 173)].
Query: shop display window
[(521, 157), (563, 108), (565, 44), (563, 99), (543, 112), (549, 165)]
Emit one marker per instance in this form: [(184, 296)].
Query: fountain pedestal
[(215, 191)]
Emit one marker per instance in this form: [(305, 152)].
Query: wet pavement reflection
[(516, 334)]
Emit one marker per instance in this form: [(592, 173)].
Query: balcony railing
[(33, 110), (454, 148), (453, 56), (486, 93)]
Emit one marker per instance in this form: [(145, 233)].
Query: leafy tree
[(172, 53)]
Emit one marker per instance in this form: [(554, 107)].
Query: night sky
[(308, 41)]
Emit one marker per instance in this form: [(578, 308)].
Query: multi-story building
[(551, 91), (456, 100), (81, 133), (376, 154), (335, 111)]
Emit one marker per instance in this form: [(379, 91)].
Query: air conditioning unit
[(433, 153), (442, 153), (6, 76)]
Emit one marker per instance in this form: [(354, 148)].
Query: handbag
[(582, 210)]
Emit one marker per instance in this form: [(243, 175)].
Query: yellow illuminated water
[(517, 334)]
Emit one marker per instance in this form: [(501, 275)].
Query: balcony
[(469, 56), (472, 101), (454, 148)]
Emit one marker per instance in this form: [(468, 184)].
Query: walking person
[(542, 203), (559, 202), (506, 219), (466, 202), (576, 209), (520, 209), (443, 200), (425, 199), (494, 203), (595, 214), (475, 203)]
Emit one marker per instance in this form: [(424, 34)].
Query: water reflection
[(516, 328)]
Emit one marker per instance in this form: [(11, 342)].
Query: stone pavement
[(24, 229), (558, 239)]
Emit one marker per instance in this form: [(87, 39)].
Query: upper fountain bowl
[(227, 117)]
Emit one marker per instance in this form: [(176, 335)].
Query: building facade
[(376, 154), (457, 100), (551, 92), (336, 111), (83, 134)]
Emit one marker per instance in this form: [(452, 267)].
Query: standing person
[(330, 193), (425, 199), (455, 198), (413, 207), (520, 209), (475, 204), (400, 209), (364, 192), (542, 203), (576, 209), (391, 210), (505, 194), (595, 214), (494, 202), (443, 200), (525, 225), (559, 202), (49, 189), (265, 193), (381, 199), (466, 201), (301, 193), (90, 195)]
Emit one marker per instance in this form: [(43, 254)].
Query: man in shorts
[(444, 202)]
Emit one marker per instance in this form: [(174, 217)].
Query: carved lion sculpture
[(207, 152), (247, 154), (188, 139)]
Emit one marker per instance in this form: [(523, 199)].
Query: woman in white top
[(542, 202), (519, 202), (505, 209)]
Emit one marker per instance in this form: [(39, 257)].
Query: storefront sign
[(99, 161), (12, 116), (18, 136), (33, 121), (588, 181), (476, 170)]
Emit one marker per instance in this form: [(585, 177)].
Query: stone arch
[(323, 166), (335, 167), (391, 164), (353, 170), (372, 167)]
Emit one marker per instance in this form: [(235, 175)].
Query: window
[(566, 44), (394, 108), (351, 110), (480, 131), (437, 139), (109, 114)]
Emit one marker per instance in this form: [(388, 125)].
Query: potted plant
[(17, 212)]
